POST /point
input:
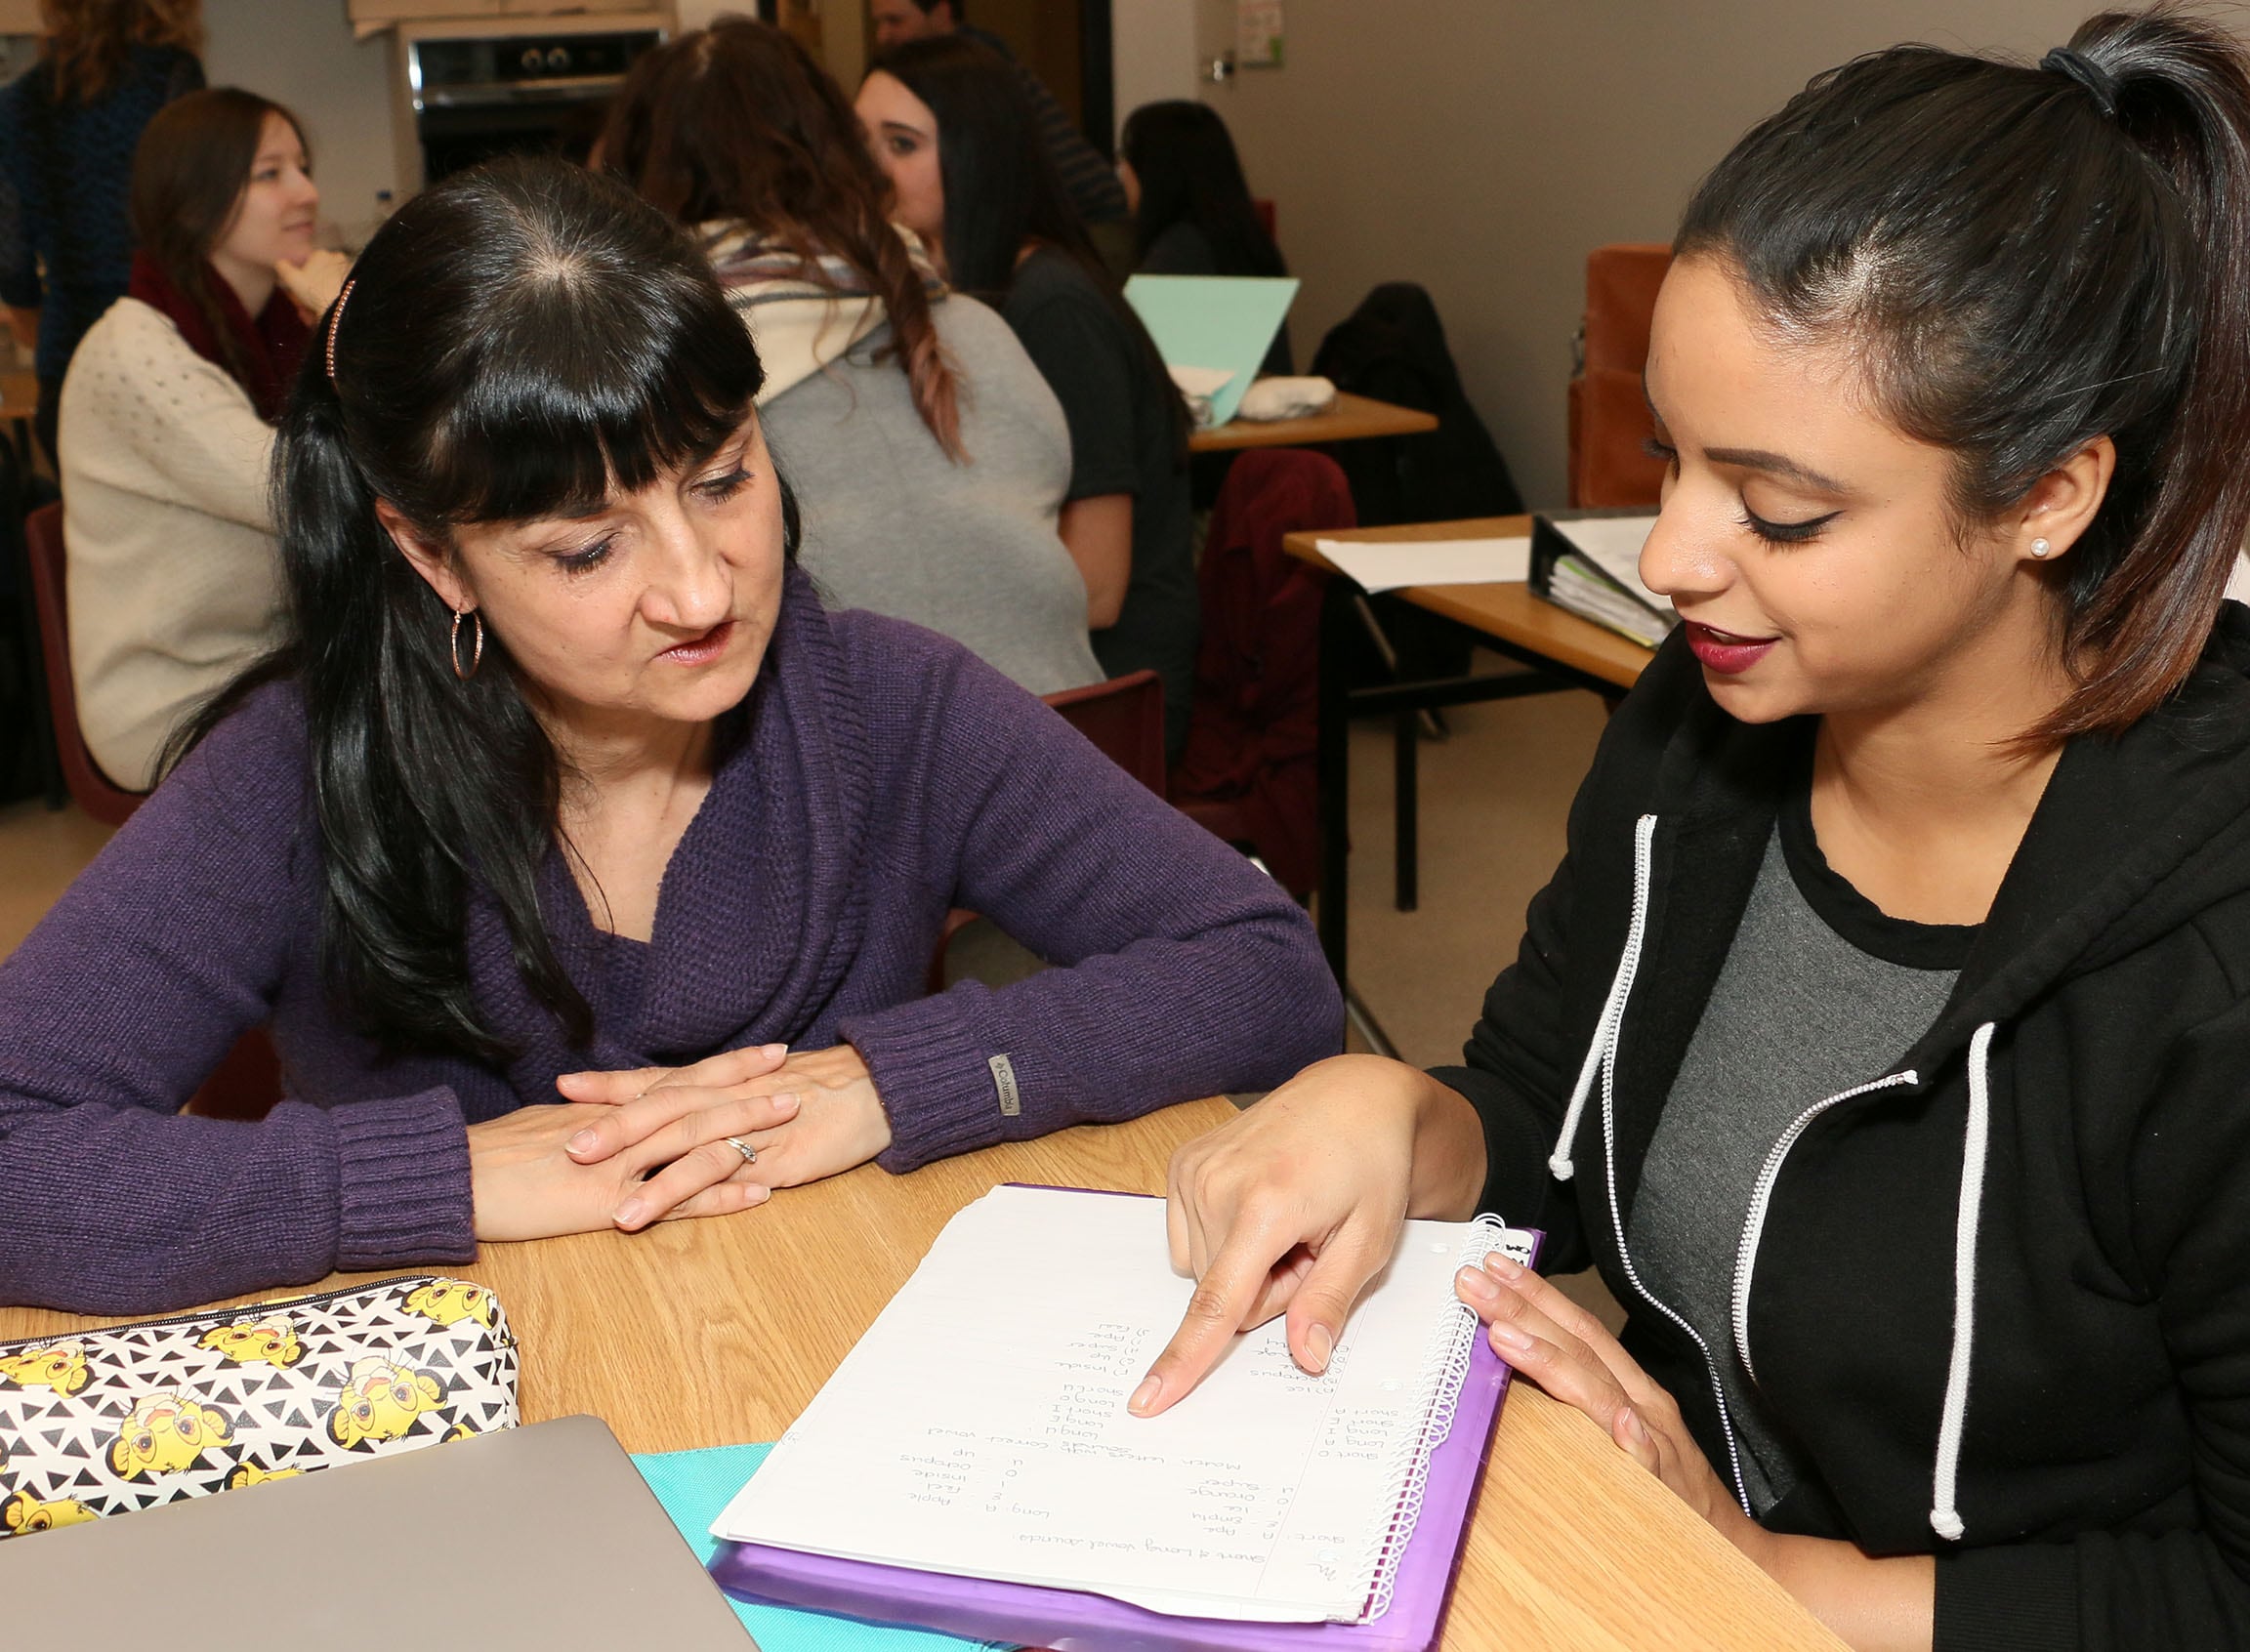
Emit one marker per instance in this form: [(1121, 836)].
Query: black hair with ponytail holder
[(2087, 73)]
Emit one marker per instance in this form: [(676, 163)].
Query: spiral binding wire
[(1443, 1372)]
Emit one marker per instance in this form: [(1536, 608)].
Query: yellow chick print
[(250, 1474), (271, 1340), (61, 1366), (450, 1301), (165, 1433), (380, 1402), (24, 1513)]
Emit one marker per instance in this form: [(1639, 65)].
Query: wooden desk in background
[(1561, 650), (1353, 418), (712, 1331), (18, 400)]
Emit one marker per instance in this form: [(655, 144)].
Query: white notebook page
[(980, 1426)]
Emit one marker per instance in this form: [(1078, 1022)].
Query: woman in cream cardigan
[(167, 421)]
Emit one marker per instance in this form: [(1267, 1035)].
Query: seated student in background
[(927, 455), (1191, 208), (1093, 188), (951, 129), (167, 424), (1885, 1038), (566, 807), (68, 128)]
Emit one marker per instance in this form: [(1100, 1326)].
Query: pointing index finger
[(1223, 1304)]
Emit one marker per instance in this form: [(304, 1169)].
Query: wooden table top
[(1353, 419), (1507, 611), (712, 1331)]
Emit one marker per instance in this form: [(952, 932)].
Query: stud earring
[(2040, 548)]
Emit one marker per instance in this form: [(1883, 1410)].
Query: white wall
[(1152, 52), (301, 52), (1481, 147)]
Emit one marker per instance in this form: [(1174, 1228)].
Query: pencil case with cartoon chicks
[(111, 1422)]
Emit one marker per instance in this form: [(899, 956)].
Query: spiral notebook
[(970, 1466)]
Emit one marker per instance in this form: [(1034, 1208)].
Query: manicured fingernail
[(630, 1212), (1504, 1267), (1320, 1343), (1476, 1282), (1145, 1395), (786, 1102), (1632, 1429), (775, 1052), (582, 1142), (1508, 1336)]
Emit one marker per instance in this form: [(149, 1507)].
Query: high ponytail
[(520, 340), (2028, 257)]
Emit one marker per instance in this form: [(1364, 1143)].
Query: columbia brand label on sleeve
[(1004, 1080)]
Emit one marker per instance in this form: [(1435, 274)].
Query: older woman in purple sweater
[(586, 868)]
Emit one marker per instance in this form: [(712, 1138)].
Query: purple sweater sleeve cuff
[(933, 1068), (402, 1183)]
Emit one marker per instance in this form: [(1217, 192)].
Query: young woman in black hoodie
[(1884, 1037)]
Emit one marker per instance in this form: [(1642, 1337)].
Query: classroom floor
[(1494, 795)]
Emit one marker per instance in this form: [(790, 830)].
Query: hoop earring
[(476, 647), (2041, 548)]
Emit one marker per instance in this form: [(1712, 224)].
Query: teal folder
[(1225, 322), (694, 1485)]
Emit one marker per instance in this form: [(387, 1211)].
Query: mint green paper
[(1222, 322), (693, 1486)]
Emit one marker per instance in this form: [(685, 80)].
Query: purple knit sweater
[(887, 775)]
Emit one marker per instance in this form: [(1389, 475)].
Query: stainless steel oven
[(472, 91)]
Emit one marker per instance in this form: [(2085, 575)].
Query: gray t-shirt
[(894, 526), (1820, 992)]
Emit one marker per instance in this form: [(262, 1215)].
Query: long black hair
[(522, 339), (1001, 187), (2027, 258), (1184, 157)]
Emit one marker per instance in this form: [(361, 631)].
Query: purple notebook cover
[(1069, 1621)]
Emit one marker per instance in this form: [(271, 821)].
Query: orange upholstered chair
[(1609, 423)]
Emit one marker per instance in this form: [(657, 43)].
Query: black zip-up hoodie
[(2067, 1152)]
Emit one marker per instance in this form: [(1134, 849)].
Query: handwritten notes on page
[(980, 1426)]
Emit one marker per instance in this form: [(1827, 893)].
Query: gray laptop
[(541, 1537)]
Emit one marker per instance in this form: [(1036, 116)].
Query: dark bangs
[(595, 354)]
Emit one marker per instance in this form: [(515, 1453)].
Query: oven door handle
[(562, 88)]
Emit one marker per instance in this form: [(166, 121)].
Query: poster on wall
[(1258, 33)]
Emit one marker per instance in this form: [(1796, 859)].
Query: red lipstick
[(1723, 651)]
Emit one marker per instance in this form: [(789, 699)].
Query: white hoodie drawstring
[(1603, 1049), (1944, 1515)]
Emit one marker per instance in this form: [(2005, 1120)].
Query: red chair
[(96, 792), (1124, 720), (247, 1082), (1250, 773), (1610, 423)]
